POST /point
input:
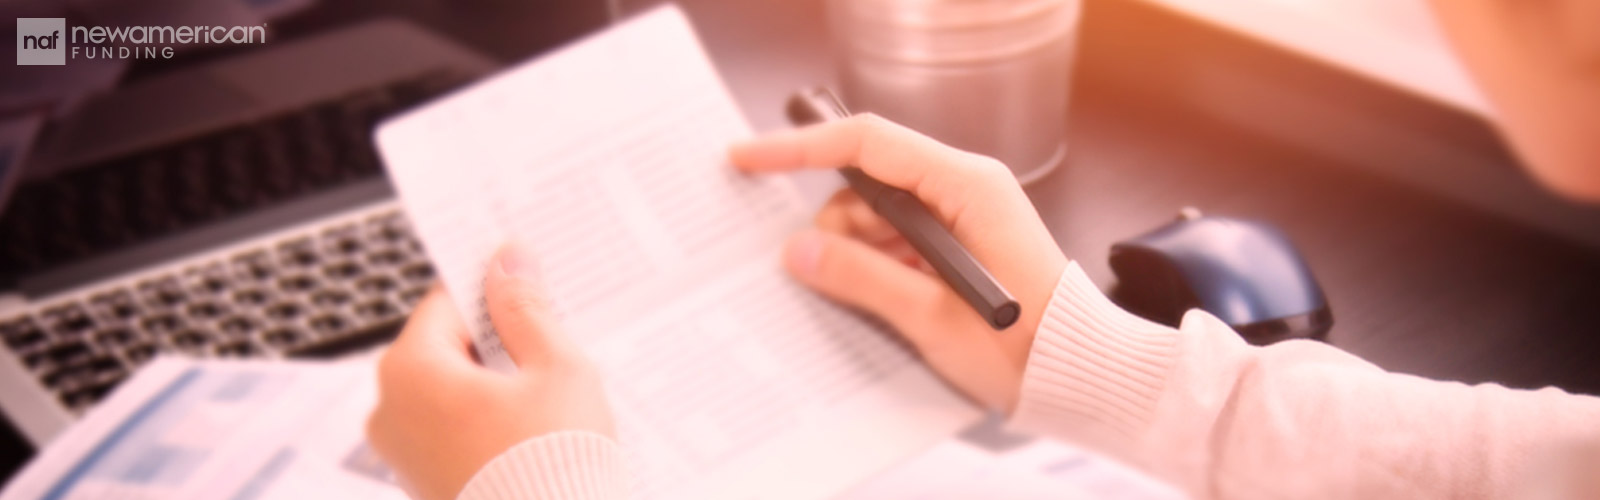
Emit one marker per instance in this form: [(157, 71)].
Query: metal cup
[(988, 76)]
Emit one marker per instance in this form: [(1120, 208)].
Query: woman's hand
[(858, 259), (441, 416)]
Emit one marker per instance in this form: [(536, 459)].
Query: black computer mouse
[(1246, 273)]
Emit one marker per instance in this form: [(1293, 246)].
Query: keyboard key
[(80, 399), (297, 283), (377, 310), (161, 323), (252, 296), (162, 292), (389, 228), (284, 311), (191, 341), (395, 233), (328, 324), (106, 367), (116, 304), (212, 279), (329, 298), (342, 270), (68, 352), (87, 372), (300, 252), (387, 257), (22, 334), (36, 360), (284, 338), (238, 326), (68, 376), (376, 284), (238, 349), (116, 336), (341, 240), (255, 266), (68, 319), (207, 310), (139, 354), (347, 246)]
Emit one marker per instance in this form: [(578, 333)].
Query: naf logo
[(41, 41)]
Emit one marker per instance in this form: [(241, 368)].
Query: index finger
[(887, 151)]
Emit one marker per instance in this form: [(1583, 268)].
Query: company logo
[(41, 41), (48, 41)]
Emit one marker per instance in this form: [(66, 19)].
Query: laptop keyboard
[(340, 286), (113, 204), (327, 288)]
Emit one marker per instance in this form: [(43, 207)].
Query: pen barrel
[(926, 233), (948, 257)]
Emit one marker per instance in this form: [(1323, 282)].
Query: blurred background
[(226, 201)]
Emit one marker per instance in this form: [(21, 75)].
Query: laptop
[(235, 208)]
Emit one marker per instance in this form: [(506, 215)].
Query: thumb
[(520, 309)]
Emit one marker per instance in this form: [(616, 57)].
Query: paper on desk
[(236, 430), (609, 157), (1040, 470)]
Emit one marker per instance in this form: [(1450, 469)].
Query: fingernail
[(518, 259), (803, 253)]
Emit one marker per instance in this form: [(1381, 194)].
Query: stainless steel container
[(988, 76)]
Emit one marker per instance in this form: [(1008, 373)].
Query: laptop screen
[(16, 135)]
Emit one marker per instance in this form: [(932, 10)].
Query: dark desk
[(1418, 283)]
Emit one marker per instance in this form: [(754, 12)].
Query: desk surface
[(1418, 284)]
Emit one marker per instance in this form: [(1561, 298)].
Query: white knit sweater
[(1202, 409)]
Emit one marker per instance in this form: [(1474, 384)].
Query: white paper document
[(183, 429), (609, 158), (1039, 470), (219, 430)]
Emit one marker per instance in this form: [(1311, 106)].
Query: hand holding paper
[(428, 381)]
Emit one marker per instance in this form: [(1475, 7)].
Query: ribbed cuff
[(566, 465), (1094, 368)]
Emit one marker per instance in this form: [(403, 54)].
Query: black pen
[(918, 225)]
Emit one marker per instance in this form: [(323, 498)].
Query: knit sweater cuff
[(567, 465), (1095, 371)]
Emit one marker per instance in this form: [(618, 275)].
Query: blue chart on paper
[(159, 446)]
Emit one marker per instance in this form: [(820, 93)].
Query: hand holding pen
[(859, 258), (924, 232)]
